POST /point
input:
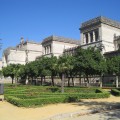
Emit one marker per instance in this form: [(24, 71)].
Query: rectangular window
[(96, 35), (86, 35), (91, 37)]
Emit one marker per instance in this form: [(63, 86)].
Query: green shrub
[(28, 101), (79, 90), (35, 101), (29, 96), (72, 99), (115, 92)]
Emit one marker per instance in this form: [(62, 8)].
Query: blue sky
[(38, 19)]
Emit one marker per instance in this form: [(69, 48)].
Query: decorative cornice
[(99, 20), (61, 39), (32, 42)]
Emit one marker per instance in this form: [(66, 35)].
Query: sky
[(38, 19)]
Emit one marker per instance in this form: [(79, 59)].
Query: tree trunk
[(63, 81), (44, 79), (52, 78), (41, 80), (100, 81), (73, 81), (68, 81), (17, 79), (87, 81), (27, 81), (116, 81), (80, 81), (32, 81), (12, 80)]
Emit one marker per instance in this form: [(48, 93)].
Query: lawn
[(32, 96)]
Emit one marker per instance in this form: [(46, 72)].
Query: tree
[(11, 70), (113, 67), (89, 62), (63, 66), (71, 72), (43, 68), (52, 66), (32, 70), (22, 73)]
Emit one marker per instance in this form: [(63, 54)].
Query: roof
[(61, 39), (31, 41), (101, 19)]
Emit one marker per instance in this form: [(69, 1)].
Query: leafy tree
[(113, 65), (22, 73), (71, 68), (32, 70), (43, 68), (52, 66), (11, 70), (90, 62)]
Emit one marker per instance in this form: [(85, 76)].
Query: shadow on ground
[(103, 110)]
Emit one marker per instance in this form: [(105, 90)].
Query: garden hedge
[(29, 96), (115, 92), (27, 101)]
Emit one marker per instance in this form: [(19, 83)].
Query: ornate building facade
[(24, 52), (28, 51), (55, 45), (100, 32)]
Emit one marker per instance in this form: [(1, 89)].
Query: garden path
[(11, 112)]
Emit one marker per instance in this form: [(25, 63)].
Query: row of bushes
[(30, 89), (47, 95), (34, 102), (29, 101), (115, 92)]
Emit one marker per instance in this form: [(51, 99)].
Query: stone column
[(48, 49), (88, 37), (100, 34), (52, 48), (84, 39), (93, 36), (116, 81), (45, 50)]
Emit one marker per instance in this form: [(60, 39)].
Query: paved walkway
[(106, 115), (71, 111)]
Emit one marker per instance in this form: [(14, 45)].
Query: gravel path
[(11, 112), (106, 115)]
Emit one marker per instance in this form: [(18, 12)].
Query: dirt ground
[(11, 112)]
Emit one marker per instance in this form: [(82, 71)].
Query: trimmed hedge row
[(20, 89), (21, 100), (29, 96), (115, 92), (79, 95), (34, 102)]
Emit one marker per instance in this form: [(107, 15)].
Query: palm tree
[(63, 67)]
